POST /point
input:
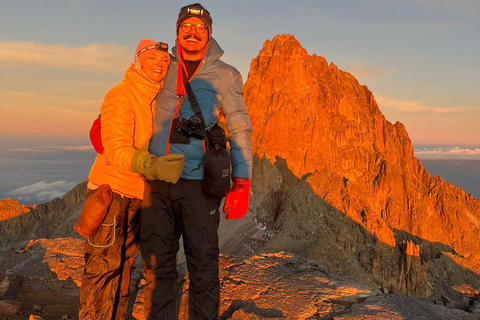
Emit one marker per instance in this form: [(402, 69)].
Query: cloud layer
[(41, 191), (450, 153), (413, 106), (42, 114), (53, 149), (432, 124), (93, 58)]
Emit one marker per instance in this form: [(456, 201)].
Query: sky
[(58, 58)]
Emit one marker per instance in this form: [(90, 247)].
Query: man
[(171, 210)]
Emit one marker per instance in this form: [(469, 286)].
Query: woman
[(126, 126)]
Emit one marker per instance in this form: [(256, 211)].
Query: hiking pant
[(109, 255), (168, 211)]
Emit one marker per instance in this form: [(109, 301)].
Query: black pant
[(168, 211)]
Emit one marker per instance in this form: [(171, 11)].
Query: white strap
[(106, 225)]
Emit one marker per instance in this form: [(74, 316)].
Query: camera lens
[(195, 122)]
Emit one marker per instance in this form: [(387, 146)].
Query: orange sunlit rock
[(412, 249), (330, 130), (378, 313), (10, 208), (64, 257), (280, 286), (466, 289), (465, 263)]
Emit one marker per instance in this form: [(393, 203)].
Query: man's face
[(192, 42)]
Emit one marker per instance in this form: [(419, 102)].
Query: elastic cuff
[(138, 161)]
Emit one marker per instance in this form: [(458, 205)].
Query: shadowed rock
[(269, 286)]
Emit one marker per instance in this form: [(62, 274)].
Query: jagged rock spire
[(329, 127)]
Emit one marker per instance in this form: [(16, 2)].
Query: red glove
[(236, 202), (96, 137)]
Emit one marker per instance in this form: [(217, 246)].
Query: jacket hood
[(213, 53), (139, 81)]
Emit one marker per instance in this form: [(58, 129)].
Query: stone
[(9, 308), (37, 308), (475, 307), (394, 306)]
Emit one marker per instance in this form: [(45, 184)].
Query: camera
[(192, 127)]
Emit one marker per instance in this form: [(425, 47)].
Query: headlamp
[(195, 12), (160, 46)]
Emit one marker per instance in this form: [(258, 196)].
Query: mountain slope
[(329, 127), (325, 153)]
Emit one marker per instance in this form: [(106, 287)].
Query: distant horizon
[(38, 173), (422, 151)]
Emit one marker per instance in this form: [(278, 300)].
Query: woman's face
[(155, 67)]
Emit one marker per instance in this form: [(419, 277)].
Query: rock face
[(330, 132), (10, 208), (42, 280), (52, 219), (41, 276)]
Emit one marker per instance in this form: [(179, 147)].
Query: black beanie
[(198, 11)]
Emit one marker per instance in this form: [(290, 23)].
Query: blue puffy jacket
[(217, 86)]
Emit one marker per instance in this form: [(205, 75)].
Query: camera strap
[(192, 99)]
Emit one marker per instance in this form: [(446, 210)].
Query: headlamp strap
[(160, 46)]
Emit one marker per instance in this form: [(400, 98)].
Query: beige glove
[(167, 168), (139, 160)]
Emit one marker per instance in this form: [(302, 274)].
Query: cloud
[(25, 113), (413, 106), (453, 153), (363, 71), (431, 125), (53, 149), (93, 58), (41, 191)]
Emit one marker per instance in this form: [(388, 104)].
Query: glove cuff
[(240, 183), (138, 161)]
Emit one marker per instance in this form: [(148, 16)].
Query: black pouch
[(216, 166), (175, 135)]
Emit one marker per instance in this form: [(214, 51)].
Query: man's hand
[(236, 202), (96, 137)]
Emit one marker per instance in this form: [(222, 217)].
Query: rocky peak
[(330, 132), (10, 208), (283, 45), (50, 219)]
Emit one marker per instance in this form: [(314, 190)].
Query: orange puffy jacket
[(127, 126)]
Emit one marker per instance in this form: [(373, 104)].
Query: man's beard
[(195, 50)]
